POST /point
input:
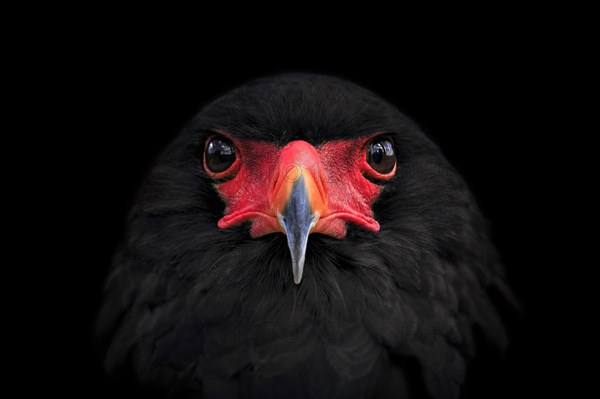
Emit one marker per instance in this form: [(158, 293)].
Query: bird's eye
[(219, 154), (381, 156)]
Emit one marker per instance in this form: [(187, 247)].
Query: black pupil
[(220, 154), (381, 156)]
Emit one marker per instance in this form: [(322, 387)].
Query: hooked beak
[(298, 202)]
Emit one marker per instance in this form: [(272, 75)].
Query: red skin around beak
[(259, 183)]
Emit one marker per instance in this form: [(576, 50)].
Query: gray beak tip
[(298, 253)]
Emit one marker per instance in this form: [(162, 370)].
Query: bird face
[(299, 189)]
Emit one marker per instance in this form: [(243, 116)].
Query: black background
[(491, 103)]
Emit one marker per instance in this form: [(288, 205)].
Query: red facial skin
[(260, 180)]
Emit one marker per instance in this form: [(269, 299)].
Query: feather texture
[(200, 311)]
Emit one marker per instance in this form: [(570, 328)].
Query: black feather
[(196, 310)]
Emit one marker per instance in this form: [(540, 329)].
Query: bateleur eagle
[(303, 238)]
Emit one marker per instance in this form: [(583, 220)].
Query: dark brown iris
[(381, 156), (219, 154)]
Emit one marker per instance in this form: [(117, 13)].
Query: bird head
[(299, 156)]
